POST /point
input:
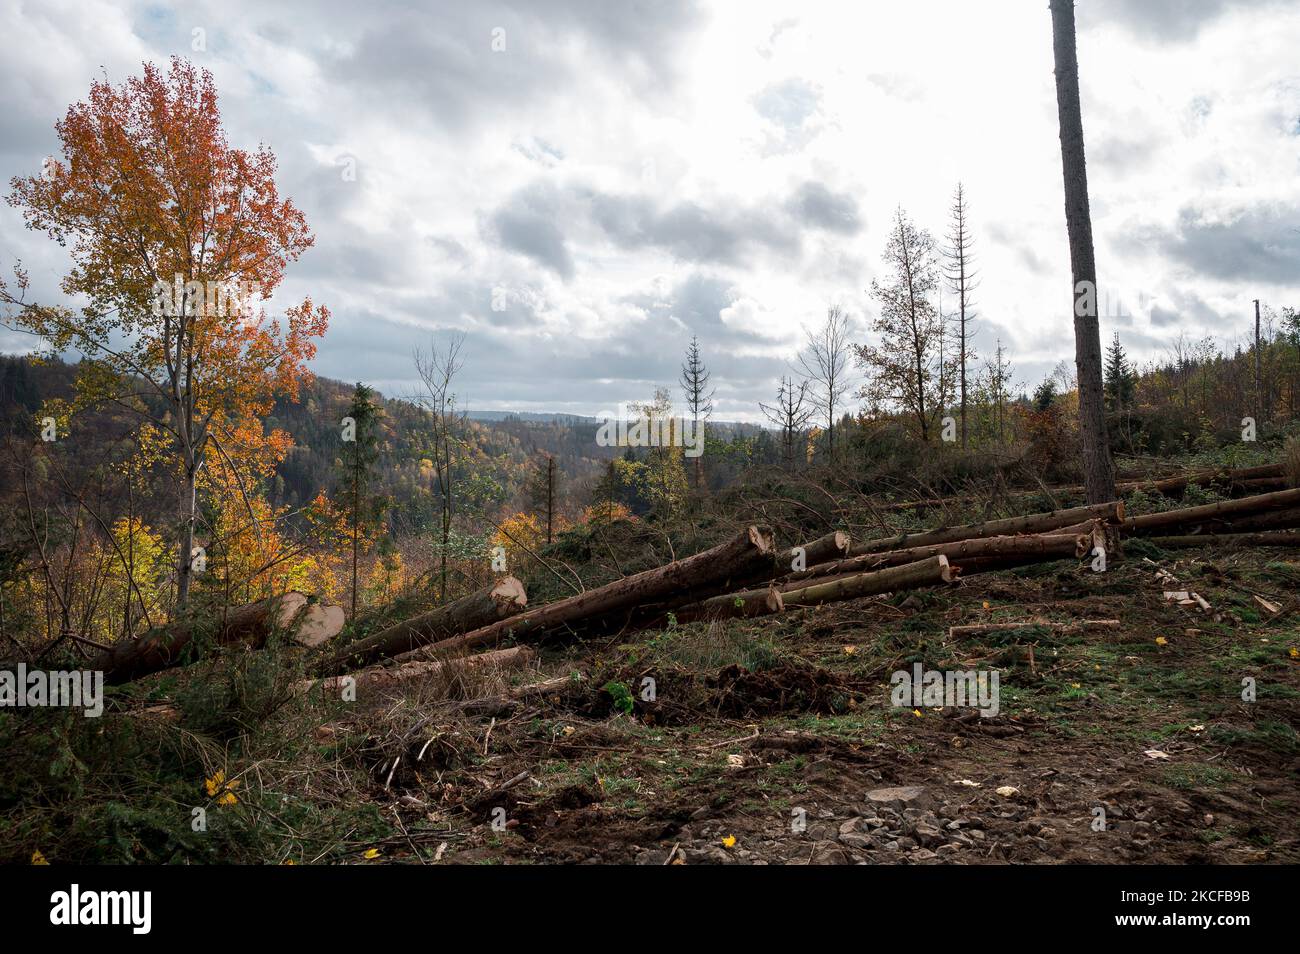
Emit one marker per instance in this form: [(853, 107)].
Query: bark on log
[(1279, 538), (1223, 510), (742, 555), (1112, 512), (1043, 546), (744, 605), (503, 598), (168, 645), (384, 678), (833, 546), (910, 576), (1285, 519)]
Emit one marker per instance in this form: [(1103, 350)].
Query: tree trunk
[(910, 576), (1112, 512), (383, 678), (504, 598), (1224, 510), (742, 555), (1098, 470), (168, 646), (745, 605), (185, 568), (1044, 546)]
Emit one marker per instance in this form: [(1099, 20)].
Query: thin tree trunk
[(185, 572), (1098, 469), (503, 598), (1112, 512)]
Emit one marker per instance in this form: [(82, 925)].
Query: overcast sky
[(627, 174)]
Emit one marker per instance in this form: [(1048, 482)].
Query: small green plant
[(621, 696)]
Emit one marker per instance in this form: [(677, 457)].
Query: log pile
[(744, 577)]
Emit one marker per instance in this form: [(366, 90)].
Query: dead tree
[(1098, 469)]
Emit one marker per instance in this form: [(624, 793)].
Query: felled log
[(744, 605), (383, 678), (503, 598), (1223, 510), (1285, 519), (909, 576), (1041, 546), (984, 629), (833, 546), (1033, 523), (742, 555), (1265, 476), (251, 624), (1277, 538)]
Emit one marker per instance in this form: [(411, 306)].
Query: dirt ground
[(775, 741)]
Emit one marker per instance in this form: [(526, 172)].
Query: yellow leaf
[(850, 650), (1295, 653), (371, 853), (729, 841), (986, 604), (1161, 641), (917, 713)]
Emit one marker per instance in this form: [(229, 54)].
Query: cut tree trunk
[(1112, 512), (502, 599), (1042, 546), (833, 546), (910, 576), (1224, 510), (169, 645), (745, 605), (446, 669), (1285, 519), (742, 555)]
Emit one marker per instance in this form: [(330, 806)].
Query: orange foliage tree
[(177, 241)]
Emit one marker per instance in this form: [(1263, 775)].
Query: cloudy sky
[(617, 175)]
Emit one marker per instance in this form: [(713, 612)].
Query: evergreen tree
[(365, 511), (1121, 380), (541, 490)]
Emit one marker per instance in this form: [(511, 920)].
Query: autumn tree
[(357, 459), (663, 477), (699, 398), (1098, 468), (904, 368), (177, 239)]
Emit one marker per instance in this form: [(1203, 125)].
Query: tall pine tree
[(365, 510)]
